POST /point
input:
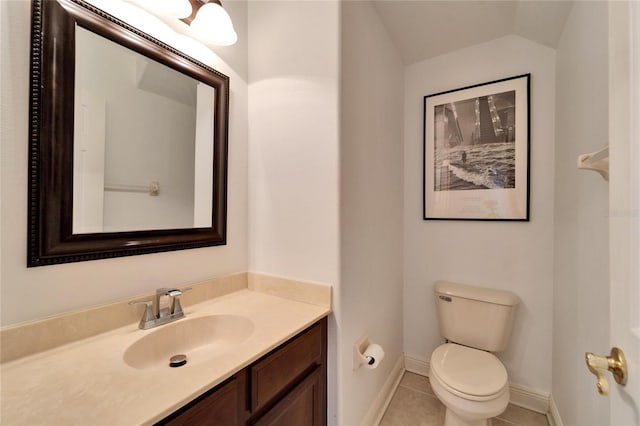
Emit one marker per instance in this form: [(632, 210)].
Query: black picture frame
[(476, 152)]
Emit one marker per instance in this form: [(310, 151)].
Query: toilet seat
[(468, 373)]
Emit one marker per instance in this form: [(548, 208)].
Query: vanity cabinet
[(287, 386)]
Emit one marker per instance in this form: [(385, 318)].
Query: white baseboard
[(416, 364), (553, 416), (528, 398), (520, 395), (382, 400)]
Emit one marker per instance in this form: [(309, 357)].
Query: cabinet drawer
[(285, 366), (301, 407)]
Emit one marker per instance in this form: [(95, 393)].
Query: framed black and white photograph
[(476, 152)]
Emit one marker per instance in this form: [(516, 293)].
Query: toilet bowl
[(465, 375), (472, 384)]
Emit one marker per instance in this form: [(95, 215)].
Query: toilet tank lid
[(490, 295)]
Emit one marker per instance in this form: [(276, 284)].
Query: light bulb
[(213, 24)]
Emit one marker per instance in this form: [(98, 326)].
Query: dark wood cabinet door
[(303, 406), (221, 406), (282, 368)]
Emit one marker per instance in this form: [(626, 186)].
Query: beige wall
[(293, 149), (515, 256), (581, 273), (370, 204), (293, 139)]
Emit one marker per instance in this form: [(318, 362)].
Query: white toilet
[(469, 380)]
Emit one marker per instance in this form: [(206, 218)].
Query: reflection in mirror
[(128, 141), (140, 127)]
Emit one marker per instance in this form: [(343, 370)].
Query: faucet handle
[(149, 316), (176, 307), (173, 292), (149, 303)]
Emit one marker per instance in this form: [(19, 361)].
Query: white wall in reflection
[(136, 127)]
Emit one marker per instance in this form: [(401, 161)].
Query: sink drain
[(177, 360)]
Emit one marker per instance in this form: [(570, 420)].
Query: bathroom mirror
[(128, 141)]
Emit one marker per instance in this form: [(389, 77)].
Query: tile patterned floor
[(414, 404)]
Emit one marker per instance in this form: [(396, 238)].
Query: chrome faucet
[(155, 313)]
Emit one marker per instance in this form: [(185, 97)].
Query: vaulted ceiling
[(423, 29)]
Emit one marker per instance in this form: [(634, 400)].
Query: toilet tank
[(478, 317)]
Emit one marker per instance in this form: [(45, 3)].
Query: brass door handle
[(616, 363)]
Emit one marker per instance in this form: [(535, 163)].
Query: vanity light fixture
[(176, 8), (211, 23), (172, 8)]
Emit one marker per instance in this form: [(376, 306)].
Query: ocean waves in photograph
[(465, 167)]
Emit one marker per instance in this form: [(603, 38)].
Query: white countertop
[(88, 382)]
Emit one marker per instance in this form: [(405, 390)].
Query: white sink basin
[(200, 339)]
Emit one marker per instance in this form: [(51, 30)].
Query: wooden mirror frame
[(51, 239)]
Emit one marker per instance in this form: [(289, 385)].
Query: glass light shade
[(176, 8), (213, 24)]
